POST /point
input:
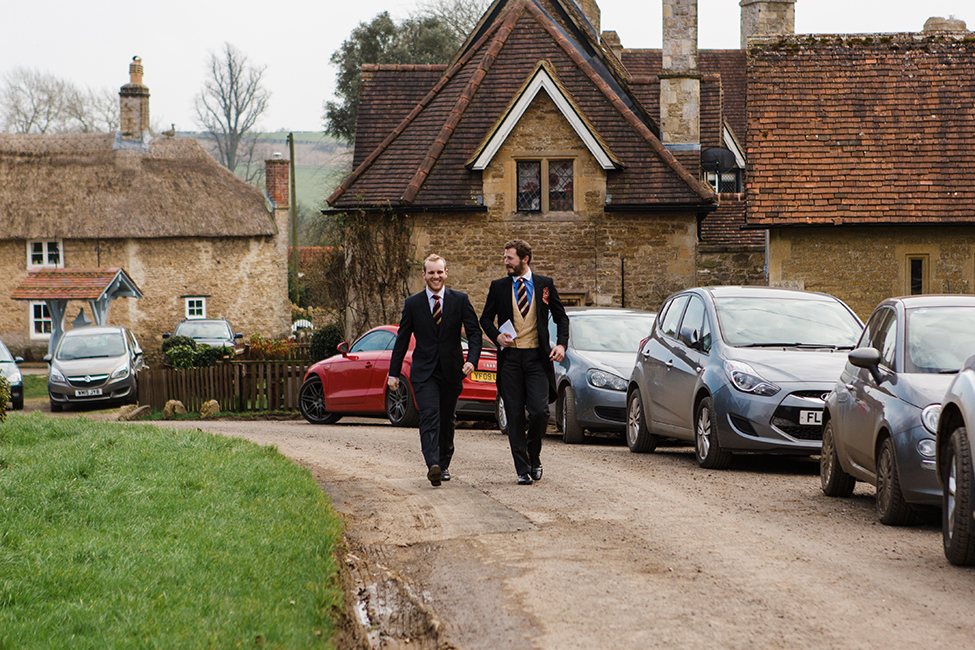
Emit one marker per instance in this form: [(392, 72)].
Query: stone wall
[(244, 279), (864, 265), (725, 265)]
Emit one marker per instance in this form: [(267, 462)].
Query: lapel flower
[(545, 295)]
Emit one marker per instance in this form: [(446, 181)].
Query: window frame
[(189, 312), (33, 321), (45, 253), (544, 180)]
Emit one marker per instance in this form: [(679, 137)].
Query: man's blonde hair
[(433, 257)]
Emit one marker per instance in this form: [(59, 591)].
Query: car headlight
[(744, 378), (930, 416), (603, 379), (56, 377), (121, 372), (14, 376)]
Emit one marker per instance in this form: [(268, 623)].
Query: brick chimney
[(680, 80), (277, 180), (766, 18), (134, 103)]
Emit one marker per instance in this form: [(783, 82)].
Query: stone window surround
[(38, 315), (544, 173), (904, 255), (46, 253)]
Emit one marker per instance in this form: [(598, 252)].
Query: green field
[(132, 536)]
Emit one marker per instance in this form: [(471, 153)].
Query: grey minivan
[(94, 365), (739, 369)]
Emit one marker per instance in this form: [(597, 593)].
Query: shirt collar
[(527, 277), (430, 294)]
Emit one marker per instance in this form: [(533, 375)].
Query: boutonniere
[(545, 295)]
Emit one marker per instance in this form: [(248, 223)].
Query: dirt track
[(618, 550)]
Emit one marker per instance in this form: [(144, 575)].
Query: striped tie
[(523, 298), (437, 312)]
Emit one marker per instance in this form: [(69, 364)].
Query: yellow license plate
[(479, 375)]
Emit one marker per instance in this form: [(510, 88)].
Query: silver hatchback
[(739, 369), (94, 365)]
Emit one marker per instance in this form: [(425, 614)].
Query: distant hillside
[(321, 161)]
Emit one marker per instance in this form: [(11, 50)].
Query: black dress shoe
[(434, 475), (445, 475), (525, 479), (537, 472)]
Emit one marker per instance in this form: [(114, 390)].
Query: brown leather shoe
[(434, 475)]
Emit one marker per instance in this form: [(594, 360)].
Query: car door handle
[(848, 386), (669, 363), (368, 364)]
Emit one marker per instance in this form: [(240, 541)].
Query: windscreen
[(787, 322), (5, 354), (204, 330), (605, 333), (939, 339), (91, 346)]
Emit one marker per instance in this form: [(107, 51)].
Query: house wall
[(585, 250), (864, 265), (244, 279), (730, 265)]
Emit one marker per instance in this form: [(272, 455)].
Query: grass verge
[(128, 536), (35, 386)]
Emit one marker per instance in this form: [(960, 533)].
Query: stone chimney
[(591, 11), (277, 180), (134, 103), (612, 41), (680, 80), (949, 24), (766, 18)]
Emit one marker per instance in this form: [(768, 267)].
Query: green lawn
[(131, 536), (35, 386)]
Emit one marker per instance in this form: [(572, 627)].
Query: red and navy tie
[(437, 312), (523, 297)]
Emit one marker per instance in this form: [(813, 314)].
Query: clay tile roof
[(78, 185), (866, 129), (421, 161), (723, 227), (71, 284)]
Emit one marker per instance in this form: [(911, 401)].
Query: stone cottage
[(612, 163), (860, 165), (198, 241)]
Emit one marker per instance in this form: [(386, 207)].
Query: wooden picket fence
[(238, 386)]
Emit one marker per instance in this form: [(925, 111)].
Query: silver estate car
[(94, 365), (591, 379), (881, 417), (955, 456), (739, 369)]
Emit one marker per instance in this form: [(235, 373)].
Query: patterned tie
[(523, 297), (437, 312)]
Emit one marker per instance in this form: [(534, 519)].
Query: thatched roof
[(76, 186)]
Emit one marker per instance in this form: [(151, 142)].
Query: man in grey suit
[(435, 316)]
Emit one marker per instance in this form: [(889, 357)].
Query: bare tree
[(39, 102), (231, 102), (460, 16)]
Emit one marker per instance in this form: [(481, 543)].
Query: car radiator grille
[(91, 381), (611, 413), (799, 432)]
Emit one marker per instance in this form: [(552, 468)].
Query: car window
[(210, 330), (772, 321), (608, 332), (669, 323), (873, 326), (5, 354), (694, 319), (91, 346), (374, 341), (886, 341), (939, 339)]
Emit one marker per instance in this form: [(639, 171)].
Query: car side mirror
[(166, 336), (47, 357), (238, 335), (18, 359), (868, 358), (690, 337), (343, 348)]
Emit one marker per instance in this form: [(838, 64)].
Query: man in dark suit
[(526, 373), (434, 316)]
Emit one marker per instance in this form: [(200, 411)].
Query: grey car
[(215, 332), (591, 379), (94, 365), (880, 419), (10, 370), (955, 456), (739, 369)]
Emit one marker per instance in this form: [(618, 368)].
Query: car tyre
[(311, 402), (400, 407), (834, 481), (499, 415), (892, 508), (55, 407), (707, 449), (638, 436), (18, 403), (956, 521), (572, 433)]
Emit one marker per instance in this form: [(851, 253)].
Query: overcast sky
[(93, 43)]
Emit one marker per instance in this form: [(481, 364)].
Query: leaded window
[(529, 186), (560, 185)]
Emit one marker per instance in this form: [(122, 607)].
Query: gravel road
[(619, 550)]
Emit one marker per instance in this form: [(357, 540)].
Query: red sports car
[(354, 383)]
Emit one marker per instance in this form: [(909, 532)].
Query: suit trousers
[(436, 399), (524, 386)]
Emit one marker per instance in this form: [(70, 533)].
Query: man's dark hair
[(522, 249)]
